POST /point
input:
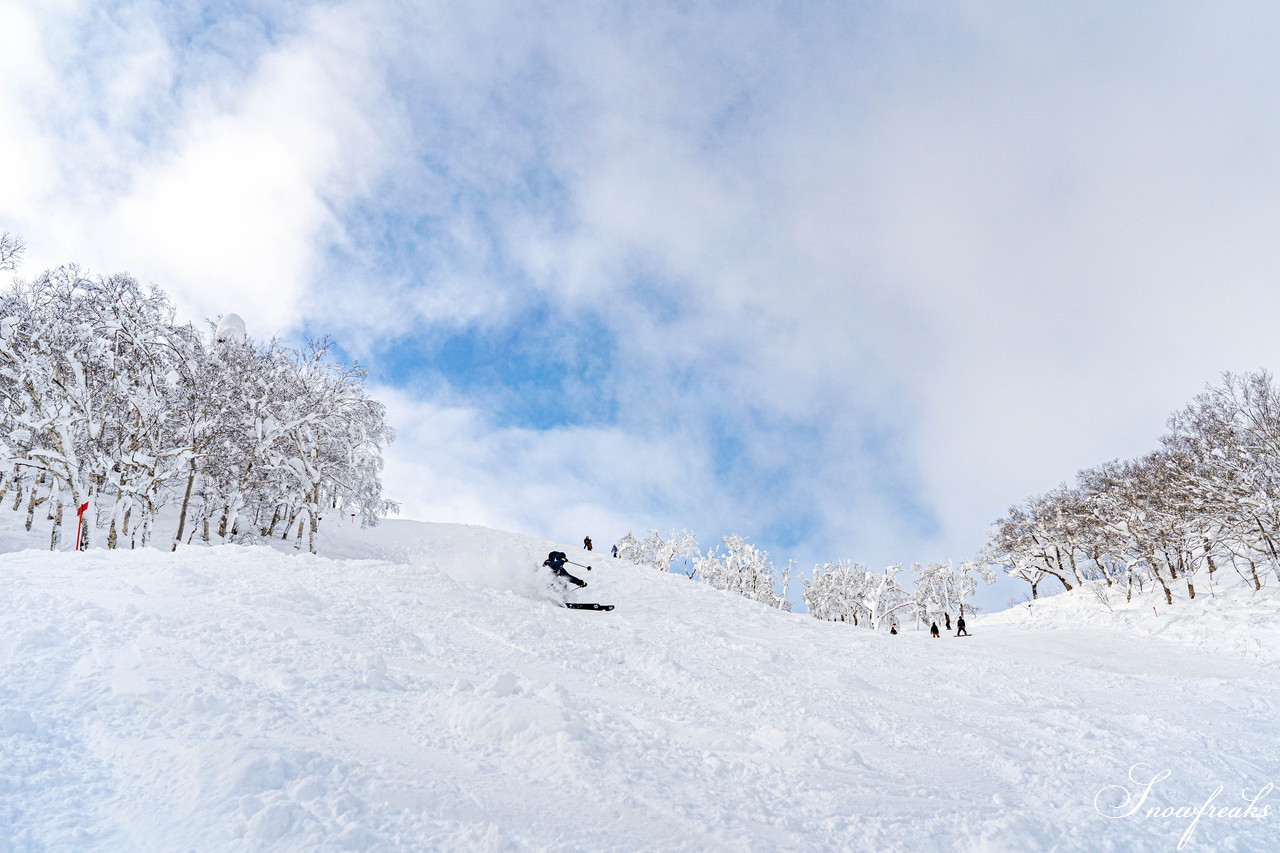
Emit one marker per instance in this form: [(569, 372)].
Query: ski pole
[(572, 563)]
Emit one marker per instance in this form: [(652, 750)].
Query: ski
[(587, 605)]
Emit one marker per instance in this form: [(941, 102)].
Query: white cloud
[(25, 164), (227, 199), (927, 262), (450, 462)]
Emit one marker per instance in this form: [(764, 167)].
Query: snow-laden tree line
[(844, 592), (849, 592), (107, 401), (741, 569), (1206, 500)]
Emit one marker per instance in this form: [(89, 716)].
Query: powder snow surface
[(422, 690)]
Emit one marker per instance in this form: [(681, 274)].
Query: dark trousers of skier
[(561, 573)]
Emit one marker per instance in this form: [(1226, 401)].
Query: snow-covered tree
[(835, 592), (883, 598), (107, 402), (631, 549), (11, 249), (849, 593), (742, 570), (657, 551), (1208, 497)]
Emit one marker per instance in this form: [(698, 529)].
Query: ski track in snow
[(426, 692)]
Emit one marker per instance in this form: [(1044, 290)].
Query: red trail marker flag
[(79, 522)]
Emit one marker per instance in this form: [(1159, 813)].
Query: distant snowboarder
[(894, 628), (615, 552), (947, 616), (960, 627), (933, 629), (586, 543), (555, 561)]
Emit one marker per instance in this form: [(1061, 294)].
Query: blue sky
[(845, 278)]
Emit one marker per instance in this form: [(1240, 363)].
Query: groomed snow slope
[(424, 693)]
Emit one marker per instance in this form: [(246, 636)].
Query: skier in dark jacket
[(555, 561), (586, 543), (933, 629), (960, 627)]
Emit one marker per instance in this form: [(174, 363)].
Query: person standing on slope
[(960, 627), (555, 561), (933, 629), (586, 543)]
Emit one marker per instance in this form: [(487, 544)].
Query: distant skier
[(933, 629), (960, 627), (894, 628), (586, 543), (555, 561), (947, 616), (615, 552)]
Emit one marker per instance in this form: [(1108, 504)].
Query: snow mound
[(468, 554), (1227, 623)]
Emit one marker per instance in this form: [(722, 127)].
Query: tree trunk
[(1168, 595), (31, 509), (1065, 583), (1097, 560), (144, 529), (270, 529), (186, 502), (1071, 561), (56, 535)]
